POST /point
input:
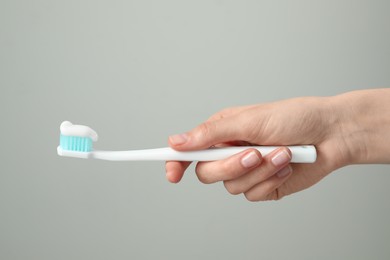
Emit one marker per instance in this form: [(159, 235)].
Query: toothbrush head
[(76, 140)]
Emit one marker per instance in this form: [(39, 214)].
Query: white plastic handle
[(300, 154)]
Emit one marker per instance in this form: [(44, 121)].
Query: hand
[(326, 123)]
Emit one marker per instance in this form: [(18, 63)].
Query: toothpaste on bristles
[(77, 138)]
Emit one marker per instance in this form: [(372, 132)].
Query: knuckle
[(261, 174), (206, 128), (251, 197), (231, 188), (277, 194), (204, 178), (272, 196), (224, 112), (232, 168), (227, 170), (219, 115)]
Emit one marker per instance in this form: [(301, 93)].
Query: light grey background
[(138, 71)]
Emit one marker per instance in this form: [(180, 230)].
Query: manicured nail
[(250, 160), (284, 172), (281, 158), (178, 139)]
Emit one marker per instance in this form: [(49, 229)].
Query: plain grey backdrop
[(138, 71)]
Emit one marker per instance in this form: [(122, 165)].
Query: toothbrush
[(76, 141)]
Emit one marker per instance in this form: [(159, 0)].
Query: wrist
[(363, 121)]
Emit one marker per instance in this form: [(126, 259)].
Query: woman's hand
[(329, 123)]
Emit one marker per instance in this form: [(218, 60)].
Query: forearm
[(364, 119)]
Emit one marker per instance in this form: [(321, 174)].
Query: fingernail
[(250, 160), (178, 139), (284, 172), (281, 158)]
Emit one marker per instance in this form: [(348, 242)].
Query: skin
[(352, 128)]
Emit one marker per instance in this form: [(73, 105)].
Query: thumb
[(210, 133)]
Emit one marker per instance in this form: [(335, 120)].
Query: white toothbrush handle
[(300, 154)]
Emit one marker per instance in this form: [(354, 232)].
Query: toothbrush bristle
[(76, 143)]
